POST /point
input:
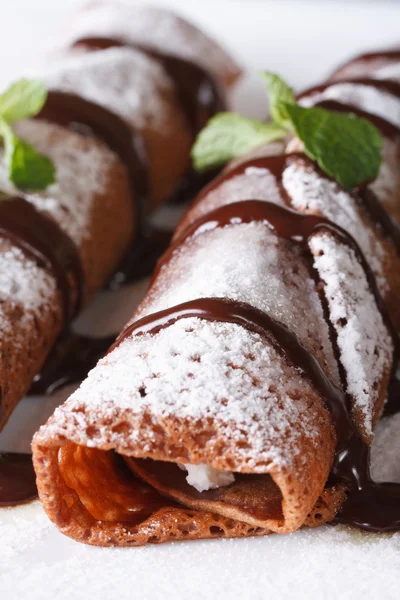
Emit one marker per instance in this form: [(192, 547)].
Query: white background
[(302, 41)]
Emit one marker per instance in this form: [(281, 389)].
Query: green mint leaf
[(228, 135), (279, 95), (23, 99), (347, 147), (27, 169)]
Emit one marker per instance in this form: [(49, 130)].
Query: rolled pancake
[(218, 394), (93, 201)]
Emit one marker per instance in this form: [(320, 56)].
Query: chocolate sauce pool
[(17, 479)]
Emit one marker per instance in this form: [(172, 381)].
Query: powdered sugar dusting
[(391, 71), (366, 97), (23, 285), (253, 266), (254, 184), (123, 80), (153, 26), (201, 370), (49, 565), (312, 193), (366, 348), (82, 167), (188, 376)]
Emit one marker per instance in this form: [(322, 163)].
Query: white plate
[(303, 41)]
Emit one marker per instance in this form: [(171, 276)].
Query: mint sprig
[(27, 168), (346, 147), (228, 135), (279, 96)]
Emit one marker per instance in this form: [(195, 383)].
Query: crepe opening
[(122, 489), (76, 482)]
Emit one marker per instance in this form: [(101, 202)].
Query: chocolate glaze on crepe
[(385, 85), (365, 64)]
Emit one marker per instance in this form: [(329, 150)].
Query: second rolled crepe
[(93, 202)]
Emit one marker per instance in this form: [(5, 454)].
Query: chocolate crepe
[(119, 133), (263, 348)]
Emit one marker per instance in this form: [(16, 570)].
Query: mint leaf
[(279, 95), (23, 99), (27, 168), (228, 135), (347, 147)]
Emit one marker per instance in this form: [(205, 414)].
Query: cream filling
[(203, 477)]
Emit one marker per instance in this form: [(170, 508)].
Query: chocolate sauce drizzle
[(387, 56)]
